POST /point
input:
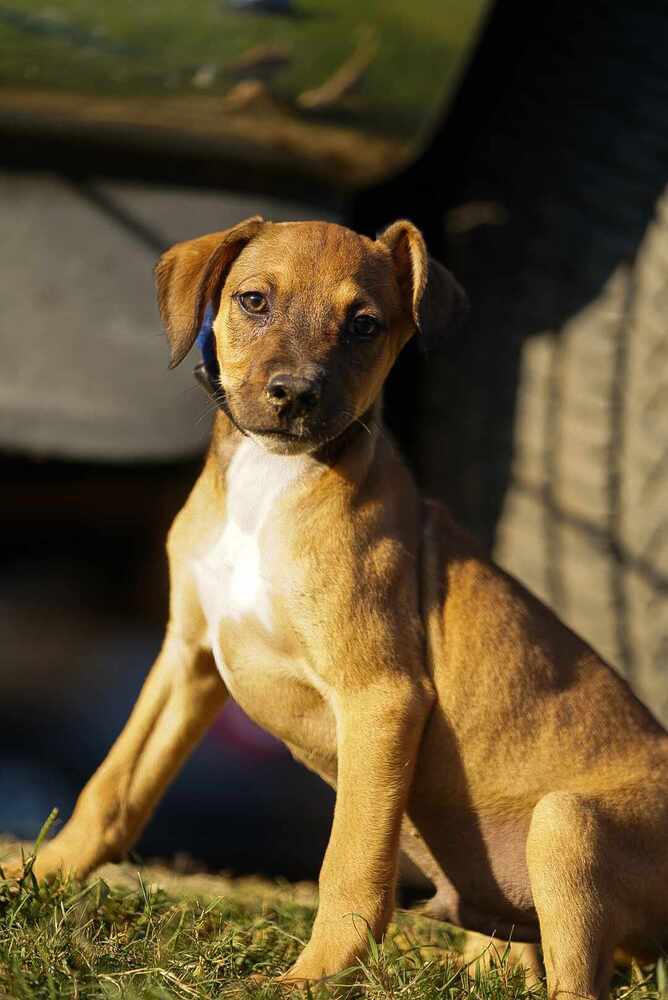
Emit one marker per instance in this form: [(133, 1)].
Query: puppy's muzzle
[(293, 395)]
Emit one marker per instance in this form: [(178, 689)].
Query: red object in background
[(234, 728)]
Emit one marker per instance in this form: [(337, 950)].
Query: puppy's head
[(309, 319)]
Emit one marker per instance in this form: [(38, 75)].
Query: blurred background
[(529, 144)]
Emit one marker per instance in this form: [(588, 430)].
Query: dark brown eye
[(365, 325), (254, 303)]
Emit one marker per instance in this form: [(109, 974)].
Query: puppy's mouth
[(278, 435), (290, 441), (289, 436), (285, 442), (269, 431), (274, 432)]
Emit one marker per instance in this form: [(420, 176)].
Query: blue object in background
[(29, 789), (263, 6)]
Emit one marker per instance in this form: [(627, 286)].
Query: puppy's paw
[(312, 967), (303, 973), (259, 981), (488, 952), (21, 871), (12, 872), (50, 863), (12, 869)]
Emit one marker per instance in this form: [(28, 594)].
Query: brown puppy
[(310, 582)]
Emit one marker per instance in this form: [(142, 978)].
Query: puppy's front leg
[(378, 733), (179, 700)]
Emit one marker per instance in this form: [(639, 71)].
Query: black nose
[(293, 393)]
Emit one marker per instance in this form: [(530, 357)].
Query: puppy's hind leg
[(566, 859)]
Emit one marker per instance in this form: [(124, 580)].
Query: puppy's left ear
[(190, 275), (434, 298)]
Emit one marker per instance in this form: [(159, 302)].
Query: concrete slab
[(83, 369)]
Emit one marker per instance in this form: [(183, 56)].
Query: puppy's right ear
[(434, 298), (190, 275)]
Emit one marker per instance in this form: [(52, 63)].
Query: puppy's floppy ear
[(190, 275), (435, 300)]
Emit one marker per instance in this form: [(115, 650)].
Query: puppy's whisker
[(212, 407), (188, 389), (362, 424), (203, 416)]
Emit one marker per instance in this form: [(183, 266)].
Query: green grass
[(99, 941), (127, 936), (149, 47)]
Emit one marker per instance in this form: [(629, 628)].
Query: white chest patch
[(234, 578)]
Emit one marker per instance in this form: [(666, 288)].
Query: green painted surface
[(148, 48)]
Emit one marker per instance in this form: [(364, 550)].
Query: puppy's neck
[(256, 479)]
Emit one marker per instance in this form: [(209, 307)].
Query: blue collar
[(207, 346), (207, 372)]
